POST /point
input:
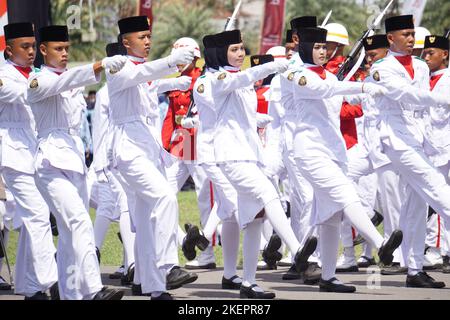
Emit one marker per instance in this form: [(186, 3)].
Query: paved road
[(208, 287)]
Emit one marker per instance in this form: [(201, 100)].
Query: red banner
[(145, 9), (3, 21), (272, 29)]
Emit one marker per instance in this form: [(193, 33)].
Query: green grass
[(111, 251)]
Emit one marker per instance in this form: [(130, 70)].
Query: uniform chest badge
[(376, 76), (302, 82), (34, 84), (201, 88), (178, 119), (1, 83), (291, 75), (222, 76)]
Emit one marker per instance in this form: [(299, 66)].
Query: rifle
[(354, 53), (448, 33), (325, 21)]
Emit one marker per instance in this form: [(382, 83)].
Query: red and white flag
[(3, 22), (272, 29), (145, 9), (416, 8)]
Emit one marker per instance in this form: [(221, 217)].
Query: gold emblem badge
[(34, 84), (256, 61), (222, 76), (1, 82), (178, 119), (201, 88), (111, 71), (369, 41), (432, 39), (302, 81), (376, 76), (291, 76)]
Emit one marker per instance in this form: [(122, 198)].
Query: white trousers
[(66, 194), (35, 260), (155, 219)]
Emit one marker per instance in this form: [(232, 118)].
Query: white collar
[(396, 54), (232, 69), (15, 64), (442, 71), (136, 59), (55, 70)]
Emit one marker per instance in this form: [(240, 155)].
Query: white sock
[(267, 229), (358, 218), (250, 250), (367, 250), (180, 236), (101, 225), (211, 224), (277, 217), (230, 248), (349, 252), (128, 239), (329, 247)]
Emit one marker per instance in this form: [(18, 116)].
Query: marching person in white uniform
[(238, 152), (406, 79), (320, 154), (35, 265), (57, 102), (138, 155)]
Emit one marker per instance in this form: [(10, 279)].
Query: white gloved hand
[(374, 90), (441, 99), (115, 63), (262, 120), (183, 83), (280, 65), (190, 122), (183, 55)]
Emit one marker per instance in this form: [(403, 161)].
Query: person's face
[(138, 44), (331, 49), (402, 41), (236, 55), (290, 47), (55, 53), (435, 58), (374, 55), (319, 53), (22, 51)]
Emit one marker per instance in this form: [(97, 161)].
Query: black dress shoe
[(117, 274), (4, 286), (201, 242), (208, 266), (291, 274), (312, 274), (347, 269), (136, 290), (38, 296), (393, 269), (163, 296), (367, 263), (178, 277), (329, 286), (127, 279), (229, 284), (108, 294), (387, 249), (423, 280), (302, 255), (446, 264), (249, 293), (192, 239), (54, 292), (270, 254)]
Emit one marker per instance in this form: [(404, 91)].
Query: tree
[(436, 17)]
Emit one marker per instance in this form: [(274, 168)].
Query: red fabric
[(25, 71), (320, 71), (406, 61), (434, 80), (348, 112), (179, 102), (263, 105), (145, 9), (272, 26)]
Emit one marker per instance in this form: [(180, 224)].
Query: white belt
[(15, 125), (46, 132), (145, 119)]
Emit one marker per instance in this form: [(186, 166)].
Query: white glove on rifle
[(262, 120), (183, 55), (190, 122), (280, 65), (374, 90), (115, 63), (183, 83)]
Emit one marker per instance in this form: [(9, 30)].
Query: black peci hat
[(376, 42), (115, 48), (228, 38), (54, 33), (209, 41), (18, 30), (439, 42), (399, 23), (304, 22), (133, 24), (289, 36), (260, 59), (313, 35)]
